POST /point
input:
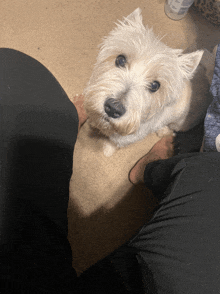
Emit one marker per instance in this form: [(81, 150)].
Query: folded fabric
[(212, 119)]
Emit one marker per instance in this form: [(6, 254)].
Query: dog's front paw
[(109, 148), (166, 131)]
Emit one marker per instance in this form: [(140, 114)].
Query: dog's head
[(135, 77)]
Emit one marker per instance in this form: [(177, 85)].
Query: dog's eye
[(120, 61), (154, 86)]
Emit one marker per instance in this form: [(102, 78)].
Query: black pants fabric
[(178, 251), (38, 130), (38, 127)]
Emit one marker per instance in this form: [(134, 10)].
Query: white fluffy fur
[(148, 60)]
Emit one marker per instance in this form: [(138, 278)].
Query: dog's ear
[(135, 16), (188, 63)]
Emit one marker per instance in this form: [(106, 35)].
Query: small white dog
[(139, 86)]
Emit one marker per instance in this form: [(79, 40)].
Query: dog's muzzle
[(114, 108)]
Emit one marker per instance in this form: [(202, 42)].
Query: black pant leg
[(179, 249), (38, 129)]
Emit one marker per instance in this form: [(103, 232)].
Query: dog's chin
[(128, 128), (102, 125), (108, 127)]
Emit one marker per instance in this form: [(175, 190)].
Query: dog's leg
[(109, 148), (166, 131)]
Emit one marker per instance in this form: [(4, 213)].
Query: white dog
[(139, 86)]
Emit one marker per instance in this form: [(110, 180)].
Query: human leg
[(179, 249), (38, 131)]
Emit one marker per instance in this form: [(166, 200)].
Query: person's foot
[(201, 149), (163, 149), (78, 101)]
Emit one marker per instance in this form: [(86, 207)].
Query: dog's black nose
[(114, 108)]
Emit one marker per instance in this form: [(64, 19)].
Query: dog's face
[(135, 77)]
